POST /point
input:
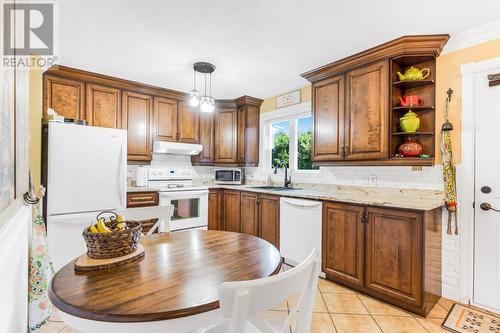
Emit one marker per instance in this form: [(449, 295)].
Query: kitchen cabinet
[(143, 199), (206, 156), (65, 96), (248, 119), (367, 116), (394, 254), (165, 119), (343, 239), (383, 251), (189, 123), (231, 210), (225, 145), (103, 106), (214, 209), (328, 119), (269, 218), (356, 108), (137, 112), (249, 218)]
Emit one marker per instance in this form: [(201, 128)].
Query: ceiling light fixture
[(206, 102)]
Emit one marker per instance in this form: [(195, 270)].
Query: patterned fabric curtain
[(40, 273)]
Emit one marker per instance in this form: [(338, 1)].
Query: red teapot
[(410, 100)]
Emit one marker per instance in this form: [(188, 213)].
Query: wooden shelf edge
[(413, 108), (410, 134), (410, 83), (403, 161)]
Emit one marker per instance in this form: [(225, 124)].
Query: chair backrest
[(245, 300), (162, 213)]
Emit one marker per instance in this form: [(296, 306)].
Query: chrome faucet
[(288, 180)]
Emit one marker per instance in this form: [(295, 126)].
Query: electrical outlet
[(372, 180)]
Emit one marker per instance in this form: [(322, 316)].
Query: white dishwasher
[(300, 228)]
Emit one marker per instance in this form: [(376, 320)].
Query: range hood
[(177, 148)]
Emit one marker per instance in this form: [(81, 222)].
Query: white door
[(487, 192), (86, 168)]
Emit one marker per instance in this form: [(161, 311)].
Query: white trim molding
[(474, 36), (465, 174)]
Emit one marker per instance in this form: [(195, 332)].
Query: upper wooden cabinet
[(189, 123), (137, 113), (355, 104), (367, 113), (206, 157), (225, 135), (328, 117), (248, 130), (65, 96), (103, 106), (165, 119)]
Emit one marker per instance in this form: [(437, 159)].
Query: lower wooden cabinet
[(269, 218), (231, 210), (383, 251), (247, 212), (214, 209), (343, 239)]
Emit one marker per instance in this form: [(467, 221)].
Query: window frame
[(292, 114)]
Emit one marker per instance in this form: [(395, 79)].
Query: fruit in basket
[(93, 229), (102, 228), (121, 226), (120, 218)]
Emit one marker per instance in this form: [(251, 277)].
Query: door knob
[(487, 206)]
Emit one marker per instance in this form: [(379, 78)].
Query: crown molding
[(425, 45), (474, 36)]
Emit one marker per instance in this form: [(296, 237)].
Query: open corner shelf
[(412, 84), (413, 108), (414, 133)]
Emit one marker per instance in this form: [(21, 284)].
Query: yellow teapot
[(414, 74)]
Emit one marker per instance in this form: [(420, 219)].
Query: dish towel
[(40, 273)]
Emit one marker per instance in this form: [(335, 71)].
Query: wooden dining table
[(174, 288)]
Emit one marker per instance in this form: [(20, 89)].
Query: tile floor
[(341, 310)]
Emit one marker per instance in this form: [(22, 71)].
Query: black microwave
[(229, 176)]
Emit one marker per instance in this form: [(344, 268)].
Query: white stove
[(176, 188)]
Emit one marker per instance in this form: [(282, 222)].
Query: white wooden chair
[(147, 213), (242, 303)]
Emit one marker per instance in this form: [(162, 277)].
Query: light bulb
[(207, 104), (194, 100)]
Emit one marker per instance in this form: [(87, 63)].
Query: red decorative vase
[(410, 148)]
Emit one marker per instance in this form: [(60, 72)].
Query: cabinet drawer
[(142, 199)]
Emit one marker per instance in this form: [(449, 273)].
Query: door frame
[(466, 175)]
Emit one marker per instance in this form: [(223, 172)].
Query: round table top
[(179, 276)]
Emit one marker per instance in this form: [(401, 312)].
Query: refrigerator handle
[(121, 180)]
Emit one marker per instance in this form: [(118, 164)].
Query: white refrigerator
[(86, 174)]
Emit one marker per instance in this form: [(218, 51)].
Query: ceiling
[(260, 47)]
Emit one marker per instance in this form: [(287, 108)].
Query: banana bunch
[(101, 228)]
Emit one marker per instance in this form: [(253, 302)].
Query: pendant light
[(206, 102)]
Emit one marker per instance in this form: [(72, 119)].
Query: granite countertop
[(416, 199)]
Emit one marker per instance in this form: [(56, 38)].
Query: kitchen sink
[(274, 188)]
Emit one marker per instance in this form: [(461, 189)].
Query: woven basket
[(113, 244)]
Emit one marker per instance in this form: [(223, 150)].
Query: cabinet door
[(269, 219), (137, 110), (231, 203), (225, 136), (343, 242), (165, 119), (189, 123), (214, 209), (240, 148), (252, 123), (394, 254), (367, 110), (206, 155), (103, 106), (249, 217), (328, 119), (65, 96)]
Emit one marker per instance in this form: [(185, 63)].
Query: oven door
[(190, 208)]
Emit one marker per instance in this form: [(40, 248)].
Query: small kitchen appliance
[(229, 176)]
